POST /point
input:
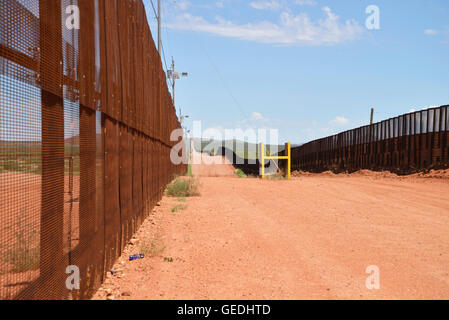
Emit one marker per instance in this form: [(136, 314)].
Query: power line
[(165, 62), (164, 21), (154, 10), (162, 45), (236, 102), (165, 27), (159, 35), (223, 82)]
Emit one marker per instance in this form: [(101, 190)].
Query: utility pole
[(372, 116), (173, 75), (159, 32), (182, 118), (185, 132)]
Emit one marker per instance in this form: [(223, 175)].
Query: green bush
[(183, 187), (240, 173)]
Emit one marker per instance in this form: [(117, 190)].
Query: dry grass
[(179, 207), (152, 248), (183, 187)]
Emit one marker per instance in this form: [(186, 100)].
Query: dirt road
[(204, 165), (309, 238)]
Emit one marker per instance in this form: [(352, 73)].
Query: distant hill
[(23, 148), (10, 149)]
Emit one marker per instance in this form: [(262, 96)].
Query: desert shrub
[(23, 257), (24, 254), (240, 173), (179, 207), (153, 247), (277, 176), (11, 165), (186, 187)]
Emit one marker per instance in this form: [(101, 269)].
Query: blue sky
[(309, 68)]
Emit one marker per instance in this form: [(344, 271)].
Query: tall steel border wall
[(85, 124), (408, 143)]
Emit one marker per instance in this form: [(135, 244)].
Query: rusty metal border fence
[(95, 177), (404, 144)]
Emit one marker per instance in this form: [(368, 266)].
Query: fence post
[(52, 193), (262, 158), (288, 152)]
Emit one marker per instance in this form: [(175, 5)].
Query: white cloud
[(341, 121), (291, 29), (256, 116), (266, 5), (306, 2), (277, 5), (256, 121), (444, 32), (431, 32), (182, 4), (219, 4)]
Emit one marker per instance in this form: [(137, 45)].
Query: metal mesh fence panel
[(85, 119)]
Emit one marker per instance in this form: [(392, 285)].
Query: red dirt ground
[(308, 238)]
